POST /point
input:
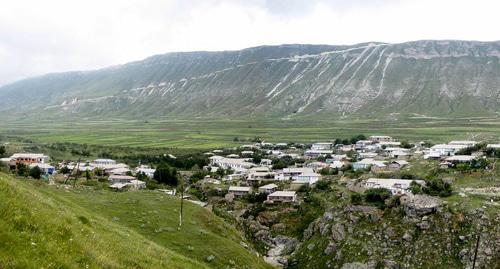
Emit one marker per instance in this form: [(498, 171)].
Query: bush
[(322, 185), (377, 196), (166, 175), (36, 172), (437, 187), (356, 199)]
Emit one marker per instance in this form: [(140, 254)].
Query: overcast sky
[(38, 37)]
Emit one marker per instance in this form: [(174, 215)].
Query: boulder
[(420, 205)]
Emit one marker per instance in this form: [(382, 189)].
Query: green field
[(43, 226), (214, 133)]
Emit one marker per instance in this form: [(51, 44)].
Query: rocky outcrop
[(419, 205)]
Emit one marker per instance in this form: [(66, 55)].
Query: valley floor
[(216, 133)]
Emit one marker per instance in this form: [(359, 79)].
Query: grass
[(45, 227), (215, 133)]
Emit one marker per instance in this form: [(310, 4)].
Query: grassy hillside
[(46, 227)]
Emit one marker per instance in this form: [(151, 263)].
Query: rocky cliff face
[(421, 233), (445, 78)]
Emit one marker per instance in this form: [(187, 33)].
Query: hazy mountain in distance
[(432, 78)]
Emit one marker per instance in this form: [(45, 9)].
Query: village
[(277, 170)]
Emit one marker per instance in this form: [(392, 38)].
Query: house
[(282, 196), (493, 146), (337, 164), (120, 179), (247, 153), (380, 138), (367, 164), (367, 155), (315, 153), (444, 150), (291, 173), (240, 191), (338, 157), (119, 171), (238, 165), (119, 182), (362, 144), (466, 143), (396, 186), (217, 151), (28, 158), (103, 162), (269, 188), (256, 174), (266, 162), (460, 159), (46, 168), (307, 178), (322, 146), (400, 154), (393, 144), (148, 171), (398, 164), (233, 156), (232, 177), (317, 165)]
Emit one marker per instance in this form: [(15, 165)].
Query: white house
[(380, 138), (396, 186), (269, 188), (239, 191), (119, 182), (367, 164), (493, 146), (460, 158), (238, 165), (103, 162), (148, 171), (322, 146), (467, 143), (282, 196), (46, 168), (291, 173), (444, 150), (307, 178), (315, 153)]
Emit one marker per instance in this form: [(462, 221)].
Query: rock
[(488, 251), (407, 237), (419, 205), (424, 225), (462, 237), (355, 265), (330, 248), (390, 232), (463, 252), (229, 197), (338, 232), (210, 258), (311, 246), (324, 229), (391, 264)]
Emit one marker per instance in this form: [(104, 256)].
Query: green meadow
[(44, 226), (214, 133)]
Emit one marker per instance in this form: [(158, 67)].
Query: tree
[(2, 151), (64, 170), (23, 170), (437, 187), (36, 172), (377, 196), (166, 175), (356, 199)]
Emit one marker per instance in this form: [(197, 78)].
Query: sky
[(39, 37)]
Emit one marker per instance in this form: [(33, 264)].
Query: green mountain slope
[(433, 78), (45, 227)]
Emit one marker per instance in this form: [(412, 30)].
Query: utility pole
[(475, 251), (182, 202)]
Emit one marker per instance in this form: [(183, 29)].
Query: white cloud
[(38, 37)]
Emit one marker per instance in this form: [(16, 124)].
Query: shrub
[(356, 199), (437, 187), (377, 196), (35, 172), (322, 185)]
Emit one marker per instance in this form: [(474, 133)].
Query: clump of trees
[(166, 175)]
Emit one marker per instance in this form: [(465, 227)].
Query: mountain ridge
[(373, 79)]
